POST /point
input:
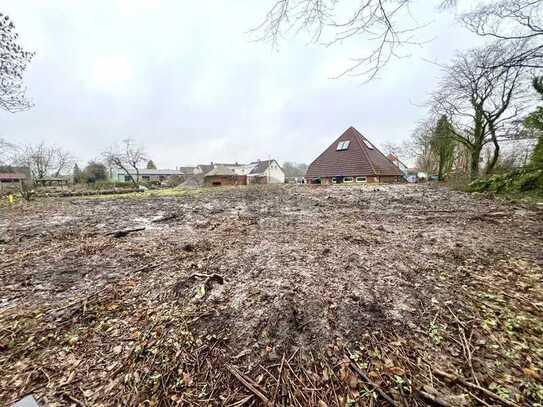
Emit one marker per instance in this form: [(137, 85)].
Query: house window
[(347, 179), (145, 177), (334, 180), (367, 143), (342, 145), (361, 179)]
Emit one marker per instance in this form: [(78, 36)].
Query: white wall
[(275, 174)]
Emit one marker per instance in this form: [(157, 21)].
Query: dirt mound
[(194, 181)]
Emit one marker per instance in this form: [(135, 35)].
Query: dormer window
[(367, 143), (343, 145)]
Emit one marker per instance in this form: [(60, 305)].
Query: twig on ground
[(372, 384), (455, 379), (465, 344), (75, 302), (164, 218), (434, 400), (124, 232), (278, 380), (248, 383)]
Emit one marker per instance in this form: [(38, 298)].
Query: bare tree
[(404, 151), (13, 62), (512, 20), (44, 160), (482, 97), (292, 169), (128, 157), (421, 148)]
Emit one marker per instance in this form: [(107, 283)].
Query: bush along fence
[(521, 181)]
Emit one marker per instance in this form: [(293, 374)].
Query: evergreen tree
[(442, 145), (151, 165), (76, 174), (534, 121), (95, 171)]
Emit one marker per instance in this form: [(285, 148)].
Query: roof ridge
[(363, 147)]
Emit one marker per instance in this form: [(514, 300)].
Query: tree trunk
[(478, 141), (474, 165), (496, 154), (440, 169)]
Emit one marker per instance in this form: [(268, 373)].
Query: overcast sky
[(186, 81)]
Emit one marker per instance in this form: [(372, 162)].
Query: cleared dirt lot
[(294, 295)]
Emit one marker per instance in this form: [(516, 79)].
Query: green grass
[(176, 192), (153, 193)]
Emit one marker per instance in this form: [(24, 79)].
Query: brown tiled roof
[(262, 166), (357, 160), (9, 176), (393, 157), (220, 169)]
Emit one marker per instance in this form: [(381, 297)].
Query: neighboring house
[(266, 172), (222, 175), (145, 175), (258, 172), (187, 171), (10, 176), (203, 169), (352, 158), (396, 161)]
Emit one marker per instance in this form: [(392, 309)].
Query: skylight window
[(367, 143), (343, 145)]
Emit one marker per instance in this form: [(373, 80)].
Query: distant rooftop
[(145, 171)]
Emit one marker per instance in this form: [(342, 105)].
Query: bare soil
[(282, 295)]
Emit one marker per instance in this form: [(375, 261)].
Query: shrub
[(518, 181)]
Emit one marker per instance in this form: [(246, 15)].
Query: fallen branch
[(164, 218), (433, 400), (252, 386), (77, 301), (372, 384), (209, 277), (278, 380), (455, 379), (124, 232)]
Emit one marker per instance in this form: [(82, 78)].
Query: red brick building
[(352, 158), (221, 175)]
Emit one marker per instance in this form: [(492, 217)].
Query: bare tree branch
[(380, 22), (512, 20)]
